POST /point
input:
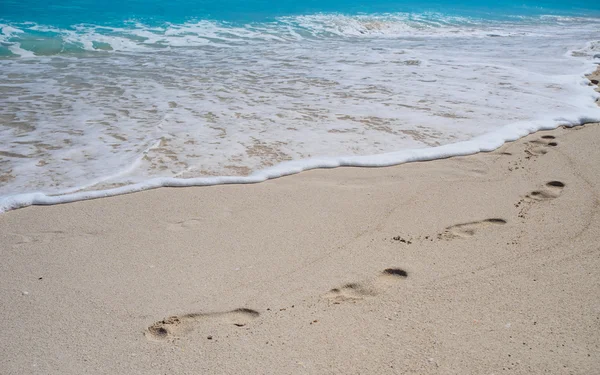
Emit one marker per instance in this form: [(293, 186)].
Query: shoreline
[(485, 143), (19, 201), (474, 264)]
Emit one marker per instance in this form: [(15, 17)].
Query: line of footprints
[(174, 327), (550, 190)]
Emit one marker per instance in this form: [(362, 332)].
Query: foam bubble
[(16, 49), (7, 33), (9, 30)]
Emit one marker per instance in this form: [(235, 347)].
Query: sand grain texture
[(470, 265)]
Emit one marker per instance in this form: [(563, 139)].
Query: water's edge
[(487, 143)]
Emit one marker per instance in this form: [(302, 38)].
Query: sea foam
[(97, 111)]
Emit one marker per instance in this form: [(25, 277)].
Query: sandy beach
[(485, 264)]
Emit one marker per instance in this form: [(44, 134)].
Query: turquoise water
[(44, 25), (103, 98), (63, 13)]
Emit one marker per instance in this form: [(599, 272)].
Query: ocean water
[(103, 98)]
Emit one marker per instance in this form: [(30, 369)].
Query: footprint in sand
[(46, 236), (551, 190), (469, 229), (177, 326), (352, 292), (540, 146), (184, 225)]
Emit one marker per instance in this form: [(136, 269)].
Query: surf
[(99, 109)]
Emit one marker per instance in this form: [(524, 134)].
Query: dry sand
[(486, 264)]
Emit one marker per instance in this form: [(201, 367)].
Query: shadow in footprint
[(359, 291), (551, 190), (470, 229), (394, 272), (176, 326)]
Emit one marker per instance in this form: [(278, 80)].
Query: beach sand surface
[(486, 264)]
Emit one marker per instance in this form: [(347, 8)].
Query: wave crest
[(30, 39)]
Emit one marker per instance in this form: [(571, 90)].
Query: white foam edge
[(16, 49), (485, 143)]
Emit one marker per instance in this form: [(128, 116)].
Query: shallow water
[(120, 101)]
